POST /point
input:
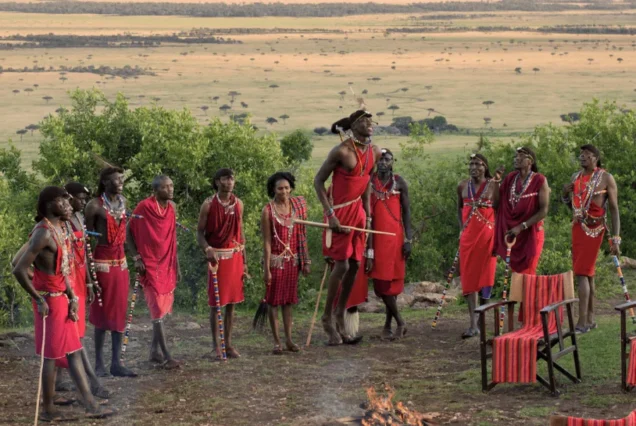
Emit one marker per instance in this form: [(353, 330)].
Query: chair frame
[(546, 343), (625, 343)]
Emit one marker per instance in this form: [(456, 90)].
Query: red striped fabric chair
[(577, 421), (516, 352), (628, 349)]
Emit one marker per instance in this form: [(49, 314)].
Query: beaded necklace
[(515, 196), (161, 211), (228, 206), (62, 241), (287, 253), (477, 203), (358, 156), (116, 213), (586, 193), (383, 194), (116, 231)]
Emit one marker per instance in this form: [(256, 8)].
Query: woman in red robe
[(285, 253), (477, 199)]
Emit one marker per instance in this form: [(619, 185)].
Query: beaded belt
[(278, 261), (49, 294), (348, 203), (104, 265), (228, 253)]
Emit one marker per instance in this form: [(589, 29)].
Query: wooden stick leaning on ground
[(353, 228), (219, 315), (37, 401), (313, 319)]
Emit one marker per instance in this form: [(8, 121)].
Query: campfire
[(381, 411)]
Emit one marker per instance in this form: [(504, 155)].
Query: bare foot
[(277, 350), (386, 334), (334, 337), (400, 332), (99, 413), (100, 392), (232, 353), (292, 347), (171, 364), (121, 371), (100, 371), (156, 357)]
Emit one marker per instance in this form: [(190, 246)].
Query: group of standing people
[(369, 236), (496, 212)]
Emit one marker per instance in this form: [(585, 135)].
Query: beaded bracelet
[(566, 200), (330, 213), (616, 239)]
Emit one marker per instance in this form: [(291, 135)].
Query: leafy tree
[(15, 91), (518, 70), (28, 90), (321, 130), (488, 103), (216, 99), (32, 128), (342, 94), (204, 108), (274, 86), (284, 117), (393, 108), (536, 70), (487, 121), (271, 121), (296, 147), (244, 105), (233, 94), (224, 108), (21, 132)]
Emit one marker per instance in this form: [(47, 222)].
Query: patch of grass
[(533, 412)]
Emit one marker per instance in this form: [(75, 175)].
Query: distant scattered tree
[(21, 132), (365, 92), (518, 70), (32, 128), (233, 94), (570, 117), (156, 99), (487, 121), (393, 108), (63, 79), (488, 103), (430, 111), (380, 114), (61, 110), (428, 87), (536, 70), (271, 121), (204, 108), (36, 85), (284, 117), (47, 99), (376, 79), (15, 92), (28, 90), (216, 99), (342, 95), (224, 108), (321, 130), (620, 60), (244, 105), (590, 60), (274, 86), (404, 89)]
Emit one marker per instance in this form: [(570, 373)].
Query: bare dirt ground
[(431, 370)]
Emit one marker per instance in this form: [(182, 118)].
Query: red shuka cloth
[(114, 284), (223, 231), (627, 421), (515, 354), (585, 248), (347, 187), (631, 369), (156, 240), (476, 263), (79, 250), (283, 290), (62, 337), (527, 250), (389, 265)]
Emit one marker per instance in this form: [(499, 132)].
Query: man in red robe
[(588, 193), (55, 305), (387, 255), (346, 203), (477, 199), (106, 215), (220, 236), (524, 196), (153, 243)]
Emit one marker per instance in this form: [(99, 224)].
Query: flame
[(382, 412)]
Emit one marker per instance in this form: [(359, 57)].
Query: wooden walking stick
[(313, 319), (133, 299), (449, 278), (619, 271), (504, 297), (219, 316), (37, 401), (353, 228)]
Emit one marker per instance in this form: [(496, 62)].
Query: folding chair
[(630, 420), (514, 354), (628, 359)]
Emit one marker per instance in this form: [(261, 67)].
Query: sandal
[(471, 332), (56, 417), (171, 364), (400, 332), (100, 413), (293, 348), (386, 334), (592, 326), (277, 350), (101, 392), (581, 330), (62, 401)]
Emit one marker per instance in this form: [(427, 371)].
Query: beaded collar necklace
[(515, 196), (62, 241), (161, 211), (586, 192), (228, 206), (117, 213), (358, 156), (379, 187), (288, 222)]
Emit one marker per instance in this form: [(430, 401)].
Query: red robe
[(584, 247), (286, 263), (477, 264), (62, 337), (80, 277), (113, 278), (525, 254), (223, 231), (345, 192), (389, 265), (156, 240)]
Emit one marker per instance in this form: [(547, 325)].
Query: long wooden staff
[(313, 319), (219, 316), (449, 278), (133, 299), (37, 401), (619, 271), (353, 228), (504, 297)]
